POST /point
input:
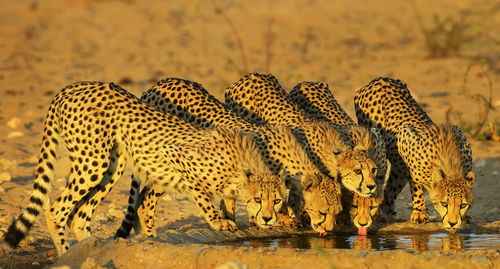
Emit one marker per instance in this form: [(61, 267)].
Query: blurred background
[(445, 50)]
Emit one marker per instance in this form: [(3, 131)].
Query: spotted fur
[(435, 157), (260, 98), (280, 150), (102, 125), (316, 99)]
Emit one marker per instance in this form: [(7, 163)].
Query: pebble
[(5, 176), (6, 165), (33, 159), (233, 265), (6, 219), (2, 191), (13, 123), (15, 134)]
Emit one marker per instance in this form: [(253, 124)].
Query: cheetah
[(316, 99), (435, 157), (190, 101), (260, 98), (102, 125)]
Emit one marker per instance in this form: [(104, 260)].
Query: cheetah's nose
[(371, 187), (362, 224), (452, 224), (267, 219)]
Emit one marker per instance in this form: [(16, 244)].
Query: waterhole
[(417, 242)]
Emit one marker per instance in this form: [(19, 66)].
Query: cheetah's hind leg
[(140, 211), (79, 219)]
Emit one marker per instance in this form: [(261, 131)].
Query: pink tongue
[(362, 231), (322, 234)]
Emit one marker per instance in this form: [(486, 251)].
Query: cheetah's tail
[(39, 198)]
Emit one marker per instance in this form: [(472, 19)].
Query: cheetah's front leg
[(419, 214), (207, 207), (227, 206)]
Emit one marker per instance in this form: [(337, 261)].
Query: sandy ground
[(46, 45)]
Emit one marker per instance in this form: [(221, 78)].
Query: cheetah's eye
[(277, 201), (357, 171), (462, 206), (444, 204), (355, 206), (257, 200)]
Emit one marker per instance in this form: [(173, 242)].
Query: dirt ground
[(46, 45)]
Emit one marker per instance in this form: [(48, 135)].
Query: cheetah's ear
[(319, 177), (437, 176), (248, 174), (359, 148), (309, 182), (283, 174), (337, 151), (375, 132), (470, 177)]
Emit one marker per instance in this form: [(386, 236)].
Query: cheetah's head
[(357, 172), (365, 209), (264, 195), (322, 201), (451, 197)]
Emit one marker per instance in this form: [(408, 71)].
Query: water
[(418, 242)]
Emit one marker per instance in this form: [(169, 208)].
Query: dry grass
[(482, 128)]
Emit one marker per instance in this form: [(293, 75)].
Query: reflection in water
[(452, 242), (418, 242)]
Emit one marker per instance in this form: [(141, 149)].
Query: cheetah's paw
[(224, 225), (420, 217), (288, 221)]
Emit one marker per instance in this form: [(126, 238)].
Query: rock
[(2, 191), (480, 162), (13, 123), (100, 217), (15, 134), (494, 211), (90, 263), (116, 213), (5, 176)]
